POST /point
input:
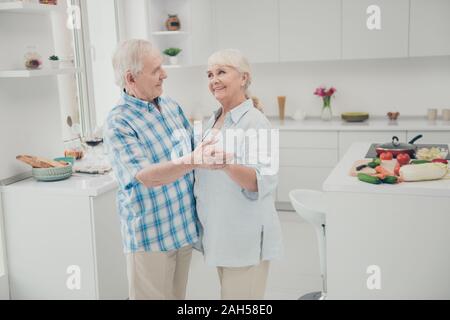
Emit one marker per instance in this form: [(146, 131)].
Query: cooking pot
[(395, 147)]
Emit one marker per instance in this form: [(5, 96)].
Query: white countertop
[(78, 184), (339, 179), (372, 124)]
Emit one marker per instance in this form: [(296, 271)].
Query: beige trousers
[(243, 283), (158, 275)]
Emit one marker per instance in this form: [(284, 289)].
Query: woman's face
[(226, 83)]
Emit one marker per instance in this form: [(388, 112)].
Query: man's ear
[(129, 78)]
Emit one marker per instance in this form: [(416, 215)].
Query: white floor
[(296, 274)]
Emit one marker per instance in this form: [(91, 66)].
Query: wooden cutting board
[(37, 162)]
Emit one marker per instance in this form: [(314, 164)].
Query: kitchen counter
[(340, 181), (78, 185), (386, 241), (372, 124)]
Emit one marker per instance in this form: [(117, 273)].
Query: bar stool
[(310, 206)]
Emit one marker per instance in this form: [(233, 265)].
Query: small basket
[(52, 174)]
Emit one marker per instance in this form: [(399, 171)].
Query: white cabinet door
[(429, 28), (110, 259), (391, 40), (441, 137), (310, 30), (309, 139), (201, 31), (347, 138), (308, 157), (250, 26), (50, 246), (291, 178)]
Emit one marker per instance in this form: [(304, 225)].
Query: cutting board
[(387, 164)]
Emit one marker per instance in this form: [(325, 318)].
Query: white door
[(375, 28), (101, 16), (310, 30), (248, 25), (429, 28)]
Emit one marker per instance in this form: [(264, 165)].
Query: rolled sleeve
[(266, 185), (127, 154), (260, 156)]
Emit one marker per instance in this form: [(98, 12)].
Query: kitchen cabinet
[(295, 177), (347, 138), (377, 231), (390, 41), (441, 137), (61, 234), (306, 159), (310, 30), (250, 26), (201, 31), (429, 28)]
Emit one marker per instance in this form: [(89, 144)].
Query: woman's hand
[(208, 156)]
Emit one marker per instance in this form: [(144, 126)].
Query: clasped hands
[(208, 156)]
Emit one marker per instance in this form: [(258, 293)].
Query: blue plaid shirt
[(138, 135)]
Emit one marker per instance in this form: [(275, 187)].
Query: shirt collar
[(130, 100), (237, 112)]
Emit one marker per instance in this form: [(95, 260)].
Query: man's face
[(148, 83)]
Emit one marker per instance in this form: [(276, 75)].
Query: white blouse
[(240, 228)]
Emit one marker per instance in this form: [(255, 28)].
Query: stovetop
[(372, 153)]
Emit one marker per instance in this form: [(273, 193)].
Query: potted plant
[(54, 61), (172, 53)]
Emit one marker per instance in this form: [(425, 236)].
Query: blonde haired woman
[(235, 205)]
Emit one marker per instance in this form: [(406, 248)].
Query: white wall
[(409, 86)]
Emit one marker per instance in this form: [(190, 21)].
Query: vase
[(173, 23), (173, 60), (326, 113)]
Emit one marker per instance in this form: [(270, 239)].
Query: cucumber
[(374, 163), (369, 179), (390, 180), (419, 161)]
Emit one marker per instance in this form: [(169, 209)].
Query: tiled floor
[(296, 274)]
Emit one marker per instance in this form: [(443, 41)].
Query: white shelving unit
[(171, 66), (158, 11), (169, 33), (37, 73), (25, 7)]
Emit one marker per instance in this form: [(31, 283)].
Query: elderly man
[(155, 198)]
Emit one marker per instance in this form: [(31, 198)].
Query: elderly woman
[(241, 230)]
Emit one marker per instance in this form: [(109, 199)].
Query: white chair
[(310, 206)]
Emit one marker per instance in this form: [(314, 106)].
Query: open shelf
[(36, 73), (169, 33), (172, 66), (25, 7)]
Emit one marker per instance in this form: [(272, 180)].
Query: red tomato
[(386, 156), (403, 158), (440, 161), (397, 169)]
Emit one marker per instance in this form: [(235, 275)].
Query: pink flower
[(323, 92), (320, 92)]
